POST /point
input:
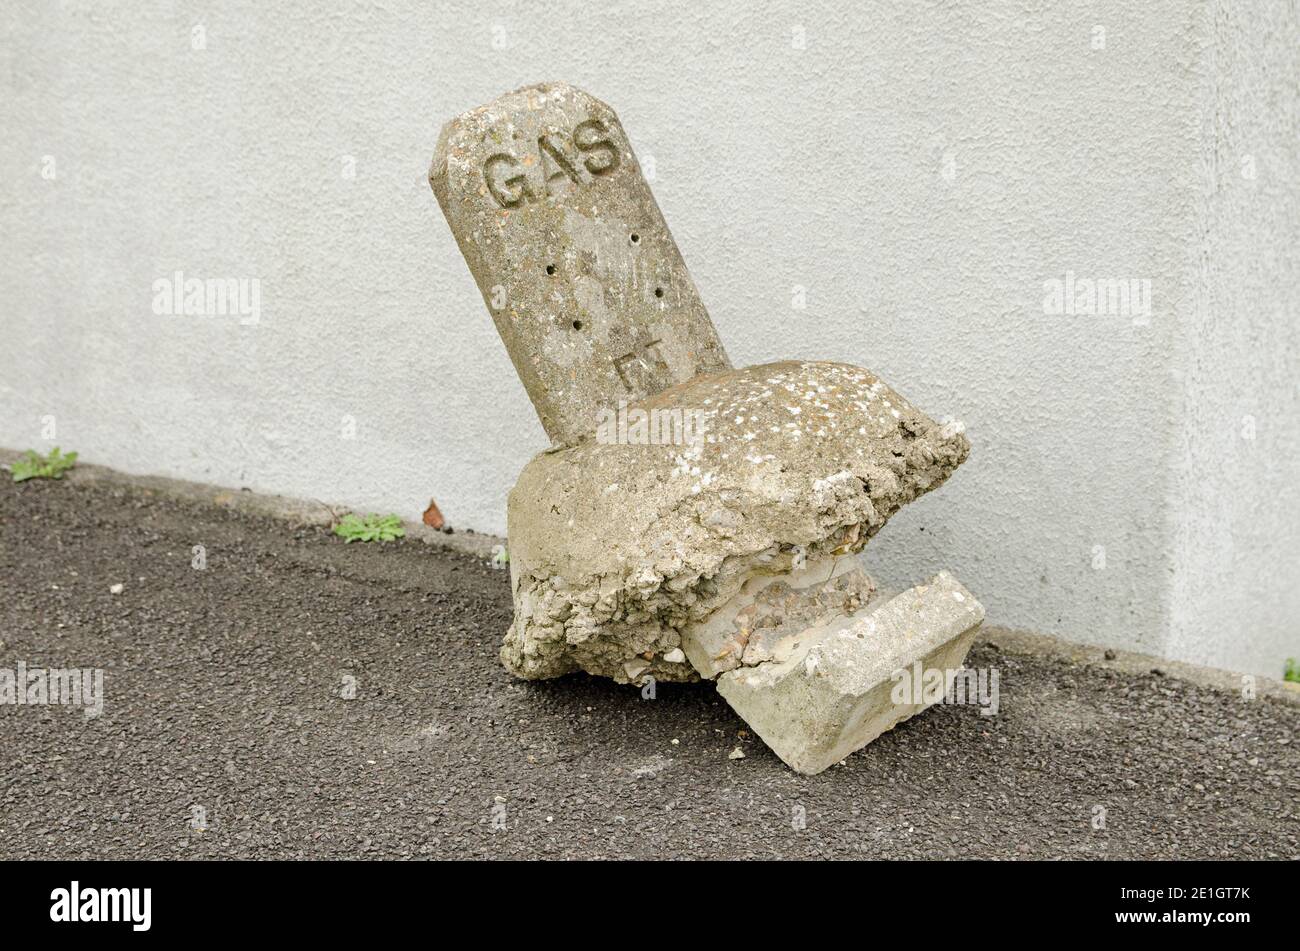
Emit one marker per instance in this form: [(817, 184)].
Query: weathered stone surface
[(830, 691), (691, 520), (573, 258), (616, 549)]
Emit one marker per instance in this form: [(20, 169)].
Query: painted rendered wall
[(1235, 600), (919, 170)]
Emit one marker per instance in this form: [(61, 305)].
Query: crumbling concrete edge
[(311, 512)]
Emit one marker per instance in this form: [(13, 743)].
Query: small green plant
[(1292, 671), (32, 465), (371, 528)]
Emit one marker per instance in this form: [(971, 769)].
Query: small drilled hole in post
[(659, 292), (550, 269), (577, 325), (636, 238)]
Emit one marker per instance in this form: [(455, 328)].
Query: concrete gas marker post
[(729, 555), (577, 266)]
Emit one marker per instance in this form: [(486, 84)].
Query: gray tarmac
[(226, 731)]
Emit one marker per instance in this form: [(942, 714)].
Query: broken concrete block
[(692, 520), (831, 690), (620, 553), (574, 260)]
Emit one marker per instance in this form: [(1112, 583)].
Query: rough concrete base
[(617, 548), (833, 692)]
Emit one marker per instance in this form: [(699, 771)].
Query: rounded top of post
[(469, 127)]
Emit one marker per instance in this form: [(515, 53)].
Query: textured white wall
[(920, 169), (1235, 597)]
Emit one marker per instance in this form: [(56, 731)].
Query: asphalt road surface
[(226, 731)]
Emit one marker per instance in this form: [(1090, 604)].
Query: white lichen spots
[(684, 463)]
